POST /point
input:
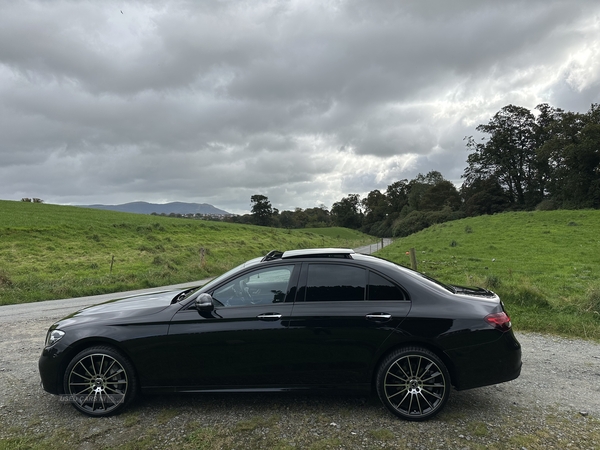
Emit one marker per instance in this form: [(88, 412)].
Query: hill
[(162, 208), (545, 265), (51, 251)]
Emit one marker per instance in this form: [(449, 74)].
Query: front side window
[(335, 282), (269, 285)]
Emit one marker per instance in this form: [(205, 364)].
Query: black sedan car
[(296, 320)]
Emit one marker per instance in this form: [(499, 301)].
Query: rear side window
[(381, 288), (333, 282)]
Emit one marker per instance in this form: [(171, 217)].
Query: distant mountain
[(162, 208)]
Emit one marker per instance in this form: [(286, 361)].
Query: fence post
[(413, 259), (202, 260)]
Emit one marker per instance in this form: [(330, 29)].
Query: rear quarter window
[(380, 288)]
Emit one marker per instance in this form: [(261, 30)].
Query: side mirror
[(204, 303)]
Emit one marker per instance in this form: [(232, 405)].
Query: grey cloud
[(219, 100)]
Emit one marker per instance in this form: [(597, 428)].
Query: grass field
[(50, 251), (545, 265)]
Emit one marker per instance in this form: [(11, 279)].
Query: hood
[(124, 308)]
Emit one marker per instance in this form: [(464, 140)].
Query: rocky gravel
[(555, 402)]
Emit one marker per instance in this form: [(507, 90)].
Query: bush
[(592, 300), (527, 295), (5, 280), (492, 282), (415, 221), (418, 220), (546, 205)]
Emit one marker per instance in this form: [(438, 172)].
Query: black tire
[(413, 383), (100, 381)]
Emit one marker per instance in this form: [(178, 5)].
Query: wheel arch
[(83, 344)]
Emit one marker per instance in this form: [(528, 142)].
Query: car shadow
[(474, 404)]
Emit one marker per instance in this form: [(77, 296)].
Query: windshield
[(216, 281)]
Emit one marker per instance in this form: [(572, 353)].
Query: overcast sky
[(302, 101)]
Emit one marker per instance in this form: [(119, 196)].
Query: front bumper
[(50, 369)]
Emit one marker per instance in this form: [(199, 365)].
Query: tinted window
[(331, 282), (383, 289), (258, 287)]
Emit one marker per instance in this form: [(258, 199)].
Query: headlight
[(53, 337)]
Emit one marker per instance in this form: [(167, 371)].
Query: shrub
[(5, 280), (592, 300), (492, 282), (418, 220), (546, 205), (527, 295)]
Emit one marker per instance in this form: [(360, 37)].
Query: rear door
[(342, 315)]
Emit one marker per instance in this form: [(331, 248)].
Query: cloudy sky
[(302, 101)]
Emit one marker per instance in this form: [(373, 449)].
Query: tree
[(347, 213), (440, 195), (375, 207), (509, 155), (287, 219), (261, 210), (397, 195), (572, 155), (483, 196), (317, 217), (418, 188)]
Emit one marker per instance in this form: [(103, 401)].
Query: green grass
[(50, 251), (545, 265)]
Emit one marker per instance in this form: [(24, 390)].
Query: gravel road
[(555, 402)]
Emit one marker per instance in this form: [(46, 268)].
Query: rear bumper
[(486, 364)]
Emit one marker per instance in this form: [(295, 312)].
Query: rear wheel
[(413, 383), (100, 381)]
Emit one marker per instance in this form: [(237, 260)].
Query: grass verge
[(49, 251), (545, 265)]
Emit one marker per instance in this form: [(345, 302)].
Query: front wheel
[(99, 381), (413, 383)]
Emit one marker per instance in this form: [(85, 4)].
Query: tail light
[(500, 321)]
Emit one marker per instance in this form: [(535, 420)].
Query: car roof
[(310, 252)]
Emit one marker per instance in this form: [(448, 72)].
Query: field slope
[(50, 251), (545, 265)]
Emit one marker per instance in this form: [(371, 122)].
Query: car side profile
[(303, 320)]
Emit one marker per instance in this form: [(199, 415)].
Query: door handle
[(379, 317), (269, 316)]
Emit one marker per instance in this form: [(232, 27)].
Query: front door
[(242, 342)]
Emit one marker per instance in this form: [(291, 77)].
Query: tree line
[(547, 159)]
